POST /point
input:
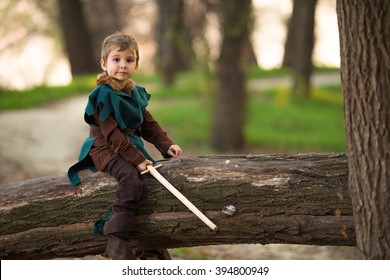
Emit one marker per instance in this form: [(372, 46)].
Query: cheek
[(111, 66)]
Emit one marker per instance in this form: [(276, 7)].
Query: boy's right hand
[(142, 166)]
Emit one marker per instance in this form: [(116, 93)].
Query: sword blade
[(181, 197)]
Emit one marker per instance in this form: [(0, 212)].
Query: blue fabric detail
[(99, 224)]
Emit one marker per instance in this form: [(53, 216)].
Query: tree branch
[(294, 199)]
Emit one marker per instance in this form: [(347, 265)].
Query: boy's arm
[(152, 132)]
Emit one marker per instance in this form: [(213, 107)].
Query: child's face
[(120, 65)]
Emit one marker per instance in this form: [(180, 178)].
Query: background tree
[(248, 53), (195, 24), (299, 44), (229, 117), (365, 71), (76, 38), (174, 45), (102, 19)]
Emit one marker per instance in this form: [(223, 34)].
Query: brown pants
[(128, 193)]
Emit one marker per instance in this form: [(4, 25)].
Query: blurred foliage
[(26, 18)]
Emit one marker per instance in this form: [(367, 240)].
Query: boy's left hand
[(174, 151)]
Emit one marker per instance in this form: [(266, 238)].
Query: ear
[(103, 65)]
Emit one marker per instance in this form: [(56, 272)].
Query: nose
[(122, 64)]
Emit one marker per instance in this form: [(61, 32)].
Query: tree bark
[(365, 72), (294, 199)]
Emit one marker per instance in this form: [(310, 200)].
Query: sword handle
[(148, 171)]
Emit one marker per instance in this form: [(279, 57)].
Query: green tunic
[(128, 113)]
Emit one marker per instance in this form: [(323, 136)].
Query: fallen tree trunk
[(294, 199)]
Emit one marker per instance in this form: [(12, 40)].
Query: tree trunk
[(174, 46), (102, 20), (299, 45), (76, 38), (294, 199), (248, 53), (229, 117), (365, 72)]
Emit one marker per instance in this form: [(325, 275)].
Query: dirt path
[(46, 140), (41, 141)]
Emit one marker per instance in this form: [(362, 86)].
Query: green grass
[(187, 85), (254, 72), (276, 121), (13, 99), (295, 124), (186, 121), (258, 73), (189, 253)]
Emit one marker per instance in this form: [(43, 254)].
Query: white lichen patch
[(87, 189), (195, 179), (275, 181)]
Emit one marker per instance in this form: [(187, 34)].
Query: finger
[(172, 154), (178, 152)]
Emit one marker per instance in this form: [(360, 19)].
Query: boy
[(117, 115)]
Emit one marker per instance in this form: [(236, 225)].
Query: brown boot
[(118, 248), (154, 254)]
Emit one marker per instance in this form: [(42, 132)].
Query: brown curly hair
[(121, 40)]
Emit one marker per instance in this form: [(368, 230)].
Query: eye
[(116, 59), (130, 60)]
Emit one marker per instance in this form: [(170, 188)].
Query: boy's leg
[(128, 194)]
